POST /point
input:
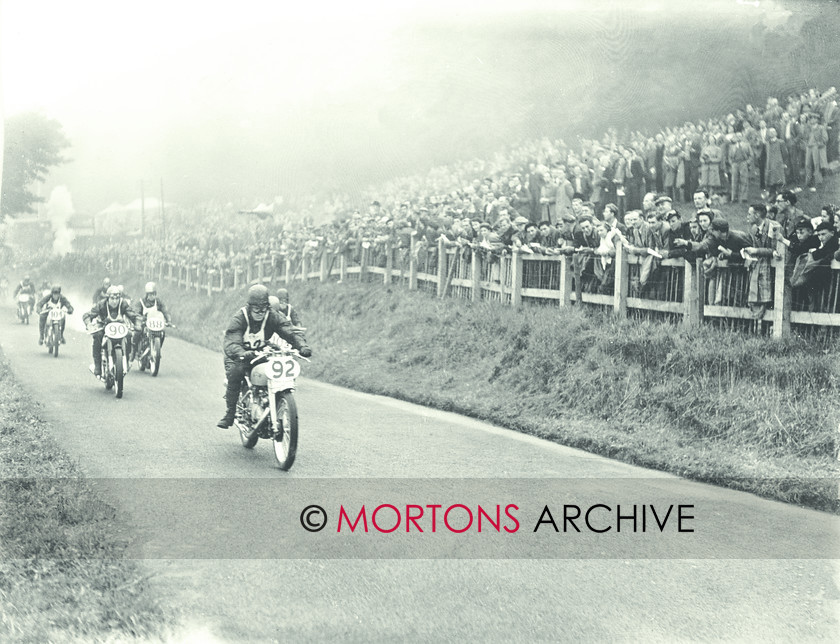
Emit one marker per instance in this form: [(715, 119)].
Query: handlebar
[(274, 350)]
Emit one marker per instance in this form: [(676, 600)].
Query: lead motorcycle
[(266, 408), (149, 350), (114, 357)]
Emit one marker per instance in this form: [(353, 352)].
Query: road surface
[(200, 509)]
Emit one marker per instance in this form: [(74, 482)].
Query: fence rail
[(677, 288)]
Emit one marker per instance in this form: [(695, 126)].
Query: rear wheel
[(154, 356), (119, 372), (285, 441)]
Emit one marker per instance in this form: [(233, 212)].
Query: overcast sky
[(128, 79)]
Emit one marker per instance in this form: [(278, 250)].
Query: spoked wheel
[(49, 341), (56, 340), (154, 356), (285, 441), (119, 372), (247, 435)]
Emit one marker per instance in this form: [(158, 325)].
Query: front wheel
[(56, 341), (286, 438), (154, 356), (119, 372)]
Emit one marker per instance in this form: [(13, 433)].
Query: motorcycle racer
[(55, 300), (110, 309), (149, 302), (285, 307), (250, 329), (102, 292), (28, 288)]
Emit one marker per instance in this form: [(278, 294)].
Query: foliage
[(33, 144)]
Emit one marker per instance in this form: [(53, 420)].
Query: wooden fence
[(679, 290)]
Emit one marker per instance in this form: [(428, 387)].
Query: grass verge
[(62, 572), (711, 405)]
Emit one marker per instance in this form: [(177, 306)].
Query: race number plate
[(285, 368), (155, 324), (23, 297), (56, 315), (116, 330)]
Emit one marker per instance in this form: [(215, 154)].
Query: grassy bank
[(739, 411), (62, 572)]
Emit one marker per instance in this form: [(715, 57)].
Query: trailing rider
[(102, 292), (150, 302), (113, 308), (26, 287), (55, 300), (248, 331)]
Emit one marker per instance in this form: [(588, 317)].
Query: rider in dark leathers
[(249, 330)]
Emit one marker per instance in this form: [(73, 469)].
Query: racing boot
[(40, 340), (230, 414)]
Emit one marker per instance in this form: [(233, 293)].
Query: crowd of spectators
[(548, 197)]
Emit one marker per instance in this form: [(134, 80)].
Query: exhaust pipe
[(262, 420)]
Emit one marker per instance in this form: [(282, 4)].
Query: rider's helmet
[(283, 295), (106, 282), (151, 287), (56, 289), (274, 302), (26, 280), (113, 293), (258, 298)]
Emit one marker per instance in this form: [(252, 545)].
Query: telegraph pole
[(162, 212), (142, 211)]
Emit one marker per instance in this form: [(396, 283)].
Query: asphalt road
[(219, 527)]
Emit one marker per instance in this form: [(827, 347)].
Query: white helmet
[(151, 287)]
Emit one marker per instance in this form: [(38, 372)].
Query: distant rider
[(102, 292), (249, 330), (26, 287), (55, 300), (150, 302), (111, 309), (286, 309)]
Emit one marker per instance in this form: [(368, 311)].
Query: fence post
[(210, 273), (441, 267), (565, 281), (342, 267), (691, 296), (260, 269), (476, 276), (412, 262), (365, 258), (516, 278), (622, 272), (324, 273), (304, 268), (781, 296), (288, 270), (700, 280), (389, 262), (249, 271)]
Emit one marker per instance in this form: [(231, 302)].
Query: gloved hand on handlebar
[(306, 352), (249, 356)]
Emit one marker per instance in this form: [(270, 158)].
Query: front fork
[(276, 424)]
